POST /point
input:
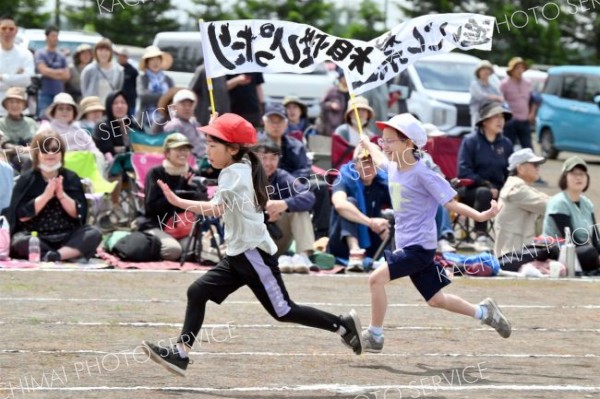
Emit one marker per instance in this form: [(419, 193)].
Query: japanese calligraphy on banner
[(241, 46), (424, 36)]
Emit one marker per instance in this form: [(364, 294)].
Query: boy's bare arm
[(471, 213)]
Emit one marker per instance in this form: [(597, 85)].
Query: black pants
[(518, 131), (260, 272), (513, 261), (322, 208), (84, 238), (587, 256), (478, 198)]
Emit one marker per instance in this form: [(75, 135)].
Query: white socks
[(181, 350), (376, 333)]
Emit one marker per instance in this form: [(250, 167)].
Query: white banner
[(241, 46), (424, 36)]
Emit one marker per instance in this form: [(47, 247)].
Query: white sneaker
[(285, 264), (301, 264), (355, 263), (482, 244), (444, 246)]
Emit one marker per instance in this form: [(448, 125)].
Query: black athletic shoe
[(51, 256), (352, 338), (166, 357)]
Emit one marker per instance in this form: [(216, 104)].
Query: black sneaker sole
[(358, 328), (157, 359)]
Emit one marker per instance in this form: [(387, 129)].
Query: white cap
[(524, 155), (407, 125), (184, 94)]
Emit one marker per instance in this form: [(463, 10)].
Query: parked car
[(439, 91), (186, 49), (569, 116), (68, 41)]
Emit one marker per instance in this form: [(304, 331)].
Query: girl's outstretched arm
[(204, 208), (471, 213)]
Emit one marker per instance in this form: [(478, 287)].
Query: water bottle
[(34, 248), (572, 263)]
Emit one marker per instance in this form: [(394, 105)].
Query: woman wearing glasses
[(50, 201), (571, 208)]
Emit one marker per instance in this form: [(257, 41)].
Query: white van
[(439, 90), (186, 49)]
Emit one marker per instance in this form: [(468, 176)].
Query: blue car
[(569, 117)]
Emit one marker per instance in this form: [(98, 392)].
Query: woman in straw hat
[(482, 91), (153, 82), (16, 130), (83, 57), (63, 114), (102, 76), (92, 113), (347, 136)]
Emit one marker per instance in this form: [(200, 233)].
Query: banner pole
[(360, 129), (210, 87)]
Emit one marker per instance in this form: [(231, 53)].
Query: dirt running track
[(75, 334)]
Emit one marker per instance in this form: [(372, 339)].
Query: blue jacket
[(293, 157), (297, 196), (484, 162)]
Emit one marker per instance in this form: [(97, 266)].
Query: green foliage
[(123, 22), (363, 21), (26, 12), (208, 10), (310, 12)]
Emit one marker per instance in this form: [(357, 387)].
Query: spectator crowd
[(100, 104)]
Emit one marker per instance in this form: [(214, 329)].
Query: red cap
[(231, 128)]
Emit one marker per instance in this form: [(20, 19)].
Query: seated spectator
[(177, 174), (293, 157), (92, 113), (571, 208), (6, 182), (185, 123), (520, 203), (357, 228), (153, 82), (163, 113), (16, 129), (111, 138), (483, 158), (299, 126), (50, 201), (63, 115), (288, 208), (347, 136)]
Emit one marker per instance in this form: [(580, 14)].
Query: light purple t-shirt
[(416, 194)]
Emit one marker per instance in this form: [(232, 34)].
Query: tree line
[(552, 33)]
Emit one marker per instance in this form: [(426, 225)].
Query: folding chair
[(84, 164), (444, 151)]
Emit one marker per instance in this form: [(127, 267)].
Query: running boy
[(240, 199), (416, 191)]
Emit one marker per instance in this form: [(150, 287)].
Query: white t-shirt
[(10, 62), (244, 226)]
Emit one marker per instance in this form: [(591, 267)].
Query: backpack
[(138, 247)]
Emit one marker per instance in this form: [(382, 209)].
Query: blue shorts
[(428, 276)]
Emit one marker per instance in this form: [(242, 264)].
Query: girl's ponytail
[(259, 181)]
